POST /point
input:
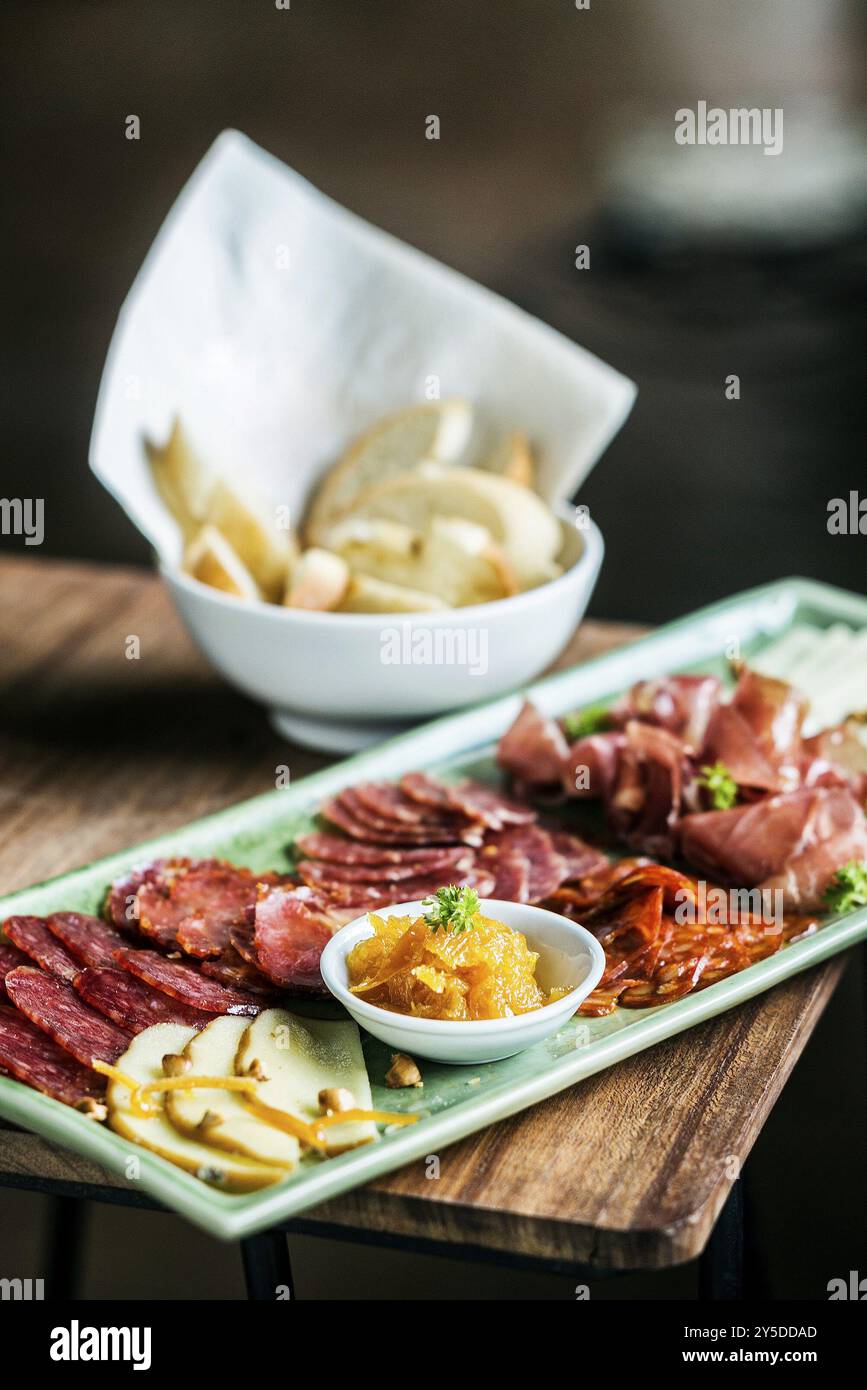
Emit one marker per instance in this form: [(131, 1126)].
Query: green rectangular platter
[(455, 1101)]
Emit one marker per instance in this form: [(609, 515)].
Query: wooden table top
[(627, 1169)]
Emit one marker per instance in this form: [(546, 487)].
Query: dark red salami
[(489, 806), (132, 1004), (292, 925), (334, 849), (347, 812), (31, 935), (92, 941), (455, 861), (511, 869), (370, 896), (186, 983), (30, 1056), (56, 1008), (547, 868), (389, 803), (10, 959)]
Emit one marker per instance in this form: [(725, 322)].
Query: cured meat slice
[(474, 800), (775, 711), (486, 804), (317, 874), (31, 935), (730, 740), (292, 926), (334, 849), (447, 830), (55, 1007), (390, 803), (534, 749), (593, 765), (752, 843), (233, 970), (92, 941), (546, 868), (340, 812), (10, 959), (681, 704), (511, 870), (644, 806), (186, 903), (369, 896), (579, 858), (132, 1004), (30, 1056), (186, 983)]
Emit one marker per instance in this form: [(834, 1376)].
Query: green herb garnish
[(848, 887), (722, 786), (453, 908), (592, 720)]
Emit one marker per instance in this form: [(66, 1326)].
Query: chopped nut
[(402, 1072), (93, 1109), (257, 1071), (334, 1099), (175, 1064), (208, 1120)]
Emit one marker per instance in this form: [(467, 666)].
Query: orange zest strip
[(291, 1124), (378, 1117)]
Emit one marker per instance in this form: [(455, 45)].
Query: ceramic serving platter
[(455, 1101)]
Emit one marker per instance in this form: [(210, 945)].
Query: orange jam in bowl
[(484, 971)]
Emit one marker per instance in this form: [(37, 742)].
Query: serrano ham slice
[(186, 983), (31, 935), (55, 1007), (534, 750), (681, 704), (30, 1056), (292, 926), (132, 1004), (92, 941)]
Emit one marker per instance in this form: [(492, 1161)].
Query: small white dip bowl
[(568, 955)]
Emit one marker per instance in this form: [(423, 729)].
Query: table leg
[(721, 1266), (267, 1267), (67, 1219)]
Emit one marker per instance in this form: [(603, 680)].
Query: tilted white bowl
[(341, 680), (568, 955)]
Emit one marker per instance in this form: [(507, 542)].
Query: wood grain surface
[(626, 1170)]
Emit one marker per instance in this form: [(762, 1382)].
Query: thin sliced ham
[(681, 704), (534, 750)]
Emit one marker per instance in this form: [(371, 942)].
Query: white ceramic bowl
[(341, 680), (568, 955)]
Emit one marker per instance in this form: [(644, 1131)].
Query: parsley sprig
[(848, 887), (720, 784), (592, 720), (452, 908)]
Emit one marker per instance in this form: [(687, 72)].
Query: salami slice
[(186, 983), (390, 803), (511, 869), (485, 804), (432, 832), (55, 1007), (292, 926), (350, 815), (370, 896), (31, 935), (315, 874), (426, 790), (334, 849), (10, 959), (132, 1004), (30, 1056), (92, 941)]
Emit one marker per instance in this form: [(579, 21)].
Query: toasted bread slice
[(368, 595), (518, 521), (211, 559), (454, 560), (319, 581), (512, 459), (182, 480), (439, 431), (250, 526)]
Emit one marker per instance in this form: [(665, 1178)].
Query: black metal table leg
[(721, 1267), (267, 1267), (67, 1220)]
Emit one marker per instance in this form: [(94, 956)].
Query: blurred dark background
[(557, 130)]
